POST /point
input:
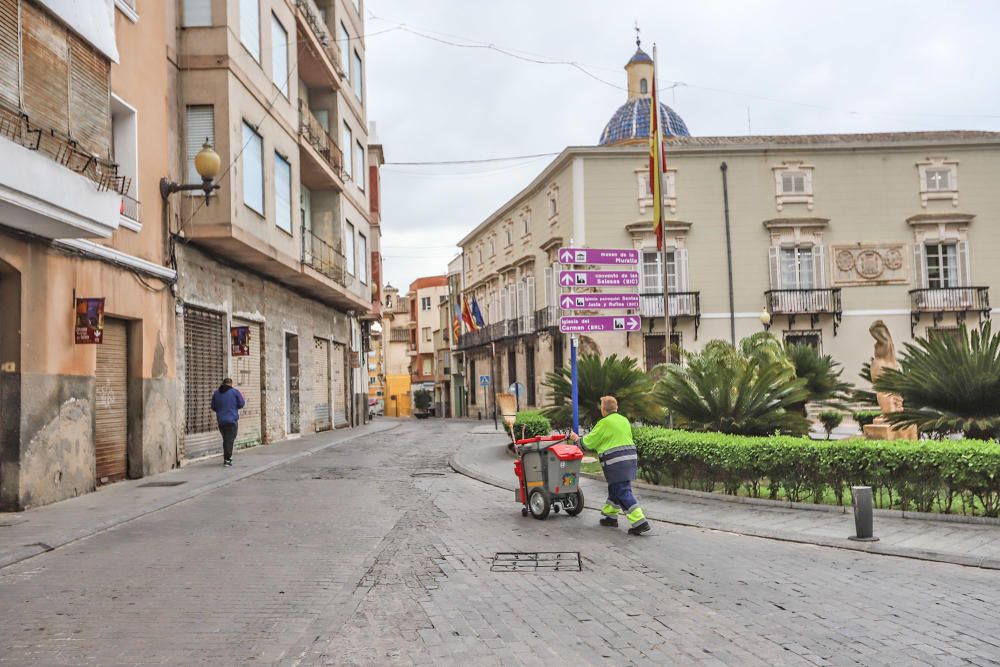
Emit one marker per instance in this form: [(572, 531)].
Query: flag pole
[(658, 206)]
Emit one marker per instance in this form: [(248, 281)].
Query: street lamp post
[(207, 163)]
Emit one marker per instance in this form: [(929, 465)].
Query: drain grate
[(427, 474), (537, 561), (149, 484)]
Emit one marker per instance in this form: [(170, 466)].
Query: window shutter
[(90, 98), (522, 304), (774, 260), (964, 268), (199, 123), (681, 267), (10, 57), (819, 266), (197, 13), (530, 290), (45, 62), (919, 265), (550, 294)]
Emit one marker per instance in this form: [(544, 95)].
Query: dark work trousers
[(228, 438)]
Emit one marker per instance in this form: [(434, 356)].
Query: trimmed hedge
[(923, 475), (533, 424), (865, 417)]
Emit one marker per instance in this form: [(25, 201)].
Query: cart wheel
[(574, 503), (539, 503), (524, 511)]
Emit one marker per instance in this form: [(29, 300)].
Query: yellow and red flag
[(467, 315), (657, 162)]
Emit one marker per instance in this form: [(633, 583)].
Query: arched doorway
[(10, 386)]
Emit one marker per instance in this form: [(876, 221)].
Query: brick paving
[(371, 552)]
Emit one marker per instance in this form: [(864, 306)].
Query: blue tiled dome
[(631, 123)]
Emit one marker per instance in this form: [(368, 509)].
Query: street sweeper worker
[(611, 439)]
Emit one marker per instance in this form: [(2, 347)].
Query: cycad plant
[(748, 390), (821, 373), (949, 384), (614, 376)]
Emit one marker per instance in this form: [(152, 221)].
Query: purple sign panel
[(617, 256), (599, 278), (598, 301), (599, 323)]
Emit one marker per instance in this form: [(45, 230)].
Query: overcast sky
[(800, 67)]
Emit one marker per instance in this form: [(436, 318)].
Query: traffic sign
[(617, 256), (599, 278), (484, 380), (598, 301), (599, 323)]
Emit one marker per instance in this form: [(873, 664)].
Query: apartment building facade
[(280, 267), (88, 384), (828, 233), (396, 309), (425, 318)]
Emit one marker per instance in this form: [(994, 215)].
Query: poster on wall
[(241, 341), (89, 321)]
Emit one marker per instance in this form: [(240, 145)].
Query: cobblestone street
[(374, 552)]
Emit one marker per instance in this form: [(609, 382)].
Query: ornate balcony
[(811, 302), (937, 301), (324, 258), (682, 304), (547, 318)]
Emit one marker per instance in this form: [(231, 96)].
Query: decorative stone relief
[(869, 264)]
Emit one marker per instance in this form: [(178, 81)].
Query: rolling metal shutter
[(10, 56), (321, 386), (204, 336), (246, 377), (111, 403), (339, 385)]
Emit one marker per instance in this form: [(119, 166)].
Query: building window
[(359, 168), (425, 303), (643, 87), (942, 265), (553, 203), (493, 247), (250, 26), (668, 190), (652, 272), (197, 13), (954, 333), (253, 169), (283, 193), (798, 268), (199, 123), (480, 251), (427, 368), (357, 76), (509, 236), (279, 55), (363, 259), (793, 184), (349, 248), (125, 147), (426, 332), (938, 180), (345, 49), (813, 338), (348, 144), (526, 223)]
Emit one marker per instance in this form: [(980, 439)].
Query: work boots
[(609, 521)]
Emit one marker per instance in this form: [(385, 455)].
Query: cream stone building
[(827, 233)]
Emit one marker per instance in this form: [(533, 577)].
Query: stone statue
[(885, 357)]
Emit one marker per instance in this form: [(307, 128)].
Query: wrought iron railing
[(324, 258), (682, 304), (547, 318), (313, 132), (811, 302), (314, 19), (937, 301)]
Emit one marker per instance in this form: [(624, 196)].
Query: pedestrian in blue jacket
[(227, 401)]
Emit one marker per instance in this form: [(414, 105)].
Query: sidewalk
[(36, 531), (975, 544)]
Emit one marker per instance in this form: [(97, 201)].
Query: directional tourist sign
[(599, 278), (598, 301), (617, 256), (599, 323)]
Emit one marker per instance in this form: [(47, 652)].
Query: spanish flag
[(657, 162), (467, 315)]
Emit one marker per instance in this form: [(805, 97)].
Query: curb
[(40, 548), (781, 536)]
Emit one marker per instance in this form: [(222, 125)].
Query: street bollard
[(862, 499)]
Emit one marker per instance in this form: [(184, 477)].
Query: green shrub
[(422, 399), (615, 376), (530, 424), (865, 417), (830, 419), (920, 475)]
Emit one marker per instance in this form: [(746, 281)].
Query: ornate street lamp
[(765, 318), (207, 163)]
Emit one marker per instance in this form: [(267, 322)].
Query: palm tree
[(949, 384), (821, 373), (748, 390), (614, 376)]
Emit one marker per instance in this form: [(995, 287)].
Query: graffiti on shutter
[(111, 403), (246, 378), (339, 385), (321, 386), (204, 346)]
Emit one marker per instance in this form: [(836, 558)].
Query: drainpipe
[(729, 254)]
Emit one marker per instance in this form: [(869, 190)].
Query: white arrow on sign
[(567, 279), (567, 256), (567, 302), (633, 324)]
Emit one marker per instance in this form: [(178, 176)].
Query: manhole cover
[(427, 474), (537, 561), (141, 486)]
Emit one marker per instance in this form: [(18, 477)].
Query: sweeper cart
[(548, 472)]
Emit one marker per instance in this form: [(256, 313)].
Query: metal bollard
[(862, 500)]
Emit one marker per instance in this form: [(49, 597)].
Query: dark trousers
[(228, 432), (621, 494)]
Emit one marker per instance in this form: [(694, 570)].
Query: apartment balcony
[(546, 318), (814, 303), (322, 162), (682, 304), (50, 187), (937, 302), (319, 58)]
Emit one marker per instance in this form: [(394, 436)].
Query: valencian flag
[(657, 162), (467, 315), (476, 313), (456, 325)]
